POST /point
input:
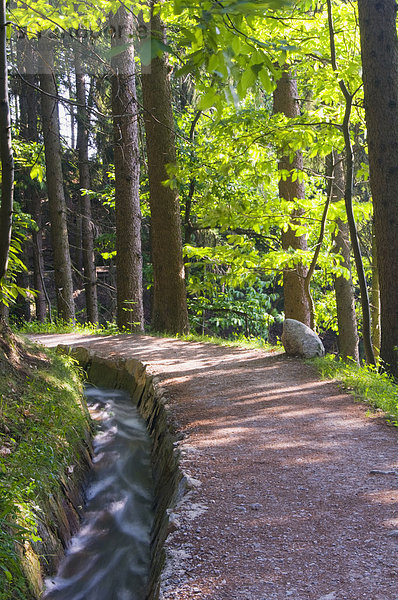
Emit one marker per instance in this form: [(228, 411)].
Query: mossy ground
[(42, 424)]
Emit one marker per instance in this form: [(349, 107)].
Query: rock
[(300, 340), (393, 533)]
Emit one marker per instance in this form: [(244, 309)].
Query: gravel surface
[(293, 487)]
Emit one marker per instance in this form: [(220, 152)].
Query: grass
[(59, 326), (238, 341), (364, 382), (42, 424)]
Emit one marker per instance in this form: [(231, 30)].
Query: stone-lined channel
[(110, 555), (145, 406)]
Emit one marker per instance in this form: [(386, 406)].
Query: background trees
[(169, 294), (6, 154), (380, 76), (127, 175), (55, 181), (210, 164)]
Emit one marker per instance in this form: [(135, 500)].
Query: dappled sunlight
[(204, 588), (310, 460), (283, 466), (225, 436), (385, 496)]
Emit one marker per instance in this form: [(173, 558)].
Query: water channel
[(109, 558)]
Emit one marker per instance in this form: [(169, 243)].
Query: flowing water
[(108, 559)]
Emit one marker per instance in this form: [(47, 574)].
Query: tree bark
[(375, 301), (28, 102), (130, 313), (343, 287), (348, 195), (6, 154), (379, 48), (169, 294), (296, 299), (54, 176), (90, 275)]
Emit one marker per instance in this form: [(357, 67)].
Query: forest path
[(298, 493)]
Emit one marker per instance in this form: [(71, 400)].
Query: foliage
[(60, 326), (364, 382), (230, 54), (231, 312), (239, 341), (9, 289), (42, 424)]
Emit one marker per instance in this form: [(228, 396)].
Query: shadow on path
[(298, 493)]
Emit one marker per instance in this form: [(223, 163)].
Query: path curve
[(297, 488)]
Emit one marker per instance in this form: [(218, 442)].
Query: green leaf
[(207, 100), (116, 50), (216, 61), (248, 80), (151, 48), (236, 45), (36, 172), (265, 80)]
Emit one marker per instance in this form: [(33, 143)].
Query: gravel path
[(295, 489)]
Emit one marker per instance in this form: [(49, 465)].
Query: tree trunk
[(169, 295), (54, 176), (297, 301), (28, 102), (379, 47), (130, 312), (343, 287), (90, 275), (6, 154), (375, 303), (348, 196)]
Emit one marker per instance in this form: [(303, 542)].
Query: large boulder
[(300, 340)]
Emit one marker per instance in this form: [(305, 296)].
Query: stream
[(109, 558)]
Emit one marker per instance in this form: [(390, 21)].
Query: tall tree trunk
[(375, 302), (297, 300), (130, 313), (90, 275), (344, 289), (28, 102), (348, 197), (54, 176), (169, 294), (379, 47), (6, 154)]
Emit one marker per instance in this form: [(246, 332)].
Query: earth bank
[(44, 456)]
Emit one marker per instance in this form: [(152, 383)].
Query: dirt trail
[(297, 491)]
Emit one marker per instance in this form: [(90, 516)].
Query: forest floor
[(295, 486)]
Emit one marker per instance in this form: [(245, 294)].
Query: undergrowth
[(238, 341), (364, 382), (60, 326), (42, 423), (109, 328)]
